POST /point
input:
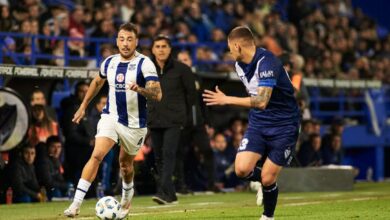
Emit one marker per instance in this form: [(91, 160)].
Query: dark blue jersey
[(267, 70)]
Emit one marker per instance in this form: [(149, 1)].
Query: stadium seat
[(57, 98)]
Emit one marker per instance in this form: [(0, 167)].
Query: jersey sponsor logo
[(120, 77), (287, 153), (243, 144), (120, 86), (266, 74)]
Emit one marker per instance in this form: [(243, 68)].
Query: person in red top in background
[(76, 20), (42, 126)]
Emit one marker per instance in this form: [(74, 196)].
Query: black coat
[(178, 92), (24, 180)]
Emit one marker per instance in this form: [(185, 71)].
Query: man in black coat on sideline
[(167, 118)]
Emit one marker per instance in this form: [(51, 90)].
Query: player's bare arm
[(152, 90), (95, 86), (259, 101)]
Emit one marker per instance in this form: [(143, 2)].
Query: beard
[(129, 53)]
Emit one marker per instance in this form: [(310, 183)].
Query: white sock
[(127, 192), (82, 189)]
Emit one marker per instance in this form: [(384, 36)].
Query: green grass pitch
[(366, 201)]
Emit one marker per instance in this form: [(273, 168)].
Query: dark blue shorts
[(277, 143)]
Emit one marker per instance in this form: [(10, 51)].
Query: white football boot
[(72, 211), (127, 196), (263, 217), (259, 196)]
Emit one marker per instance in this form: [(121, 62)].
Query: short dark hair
[(26, 147), (183, 52), (130, 27), (80, 84), (53, 139), (242, 32), (36, 90), (314, 135), (162, 37)]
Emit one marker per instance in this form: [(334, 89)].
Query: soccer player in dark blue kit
[(273, 118)]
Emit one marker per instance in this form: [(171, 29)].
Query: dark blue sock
[(270, 198), (255, 175)]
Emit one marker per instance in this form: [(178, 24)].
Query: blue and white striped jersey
[(267, 70), (124, 105)]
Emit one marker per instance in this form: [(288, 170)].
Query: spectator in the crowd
[(226, 65), (307, 130), (38, 97), (235, 140), (332, 154), (199, 23), (316, 126), (76, 21), (9, 48), (194, 133), (58, 50), (63, 22), (167, 117), (79, 138), (25, 28), (24, 181), (236, 126), (310, 151), (304, 109), (224, 162), (50, 171), (336, 128), (34, 11), (42, 125), (6, 21)]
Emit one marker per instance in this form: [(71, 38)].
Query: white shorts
[(131, 139)]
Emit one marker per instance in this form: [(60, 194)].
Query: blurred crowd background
[(327, 38)]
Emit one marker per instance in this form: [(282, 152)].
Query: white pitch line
[(321, 202), (193, 204), (161, 206), (302, 203), (292, 198), (206, 203), (330, 195), (162, 212)]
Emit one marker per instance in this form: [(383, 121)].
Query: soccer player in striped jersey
[(273, 118), (131, 78)]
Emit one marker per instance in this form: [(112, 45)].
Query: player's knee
[(268, 179), (242, 171)]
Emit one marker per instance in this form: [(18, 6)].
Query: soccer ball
[(107, 208)]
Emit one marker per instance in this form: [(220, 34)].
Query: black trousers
[(165, 142), (195, 137)]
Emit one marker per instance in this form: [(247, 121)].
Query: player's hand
[(132, 86), (78, 115), (214, 98)]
